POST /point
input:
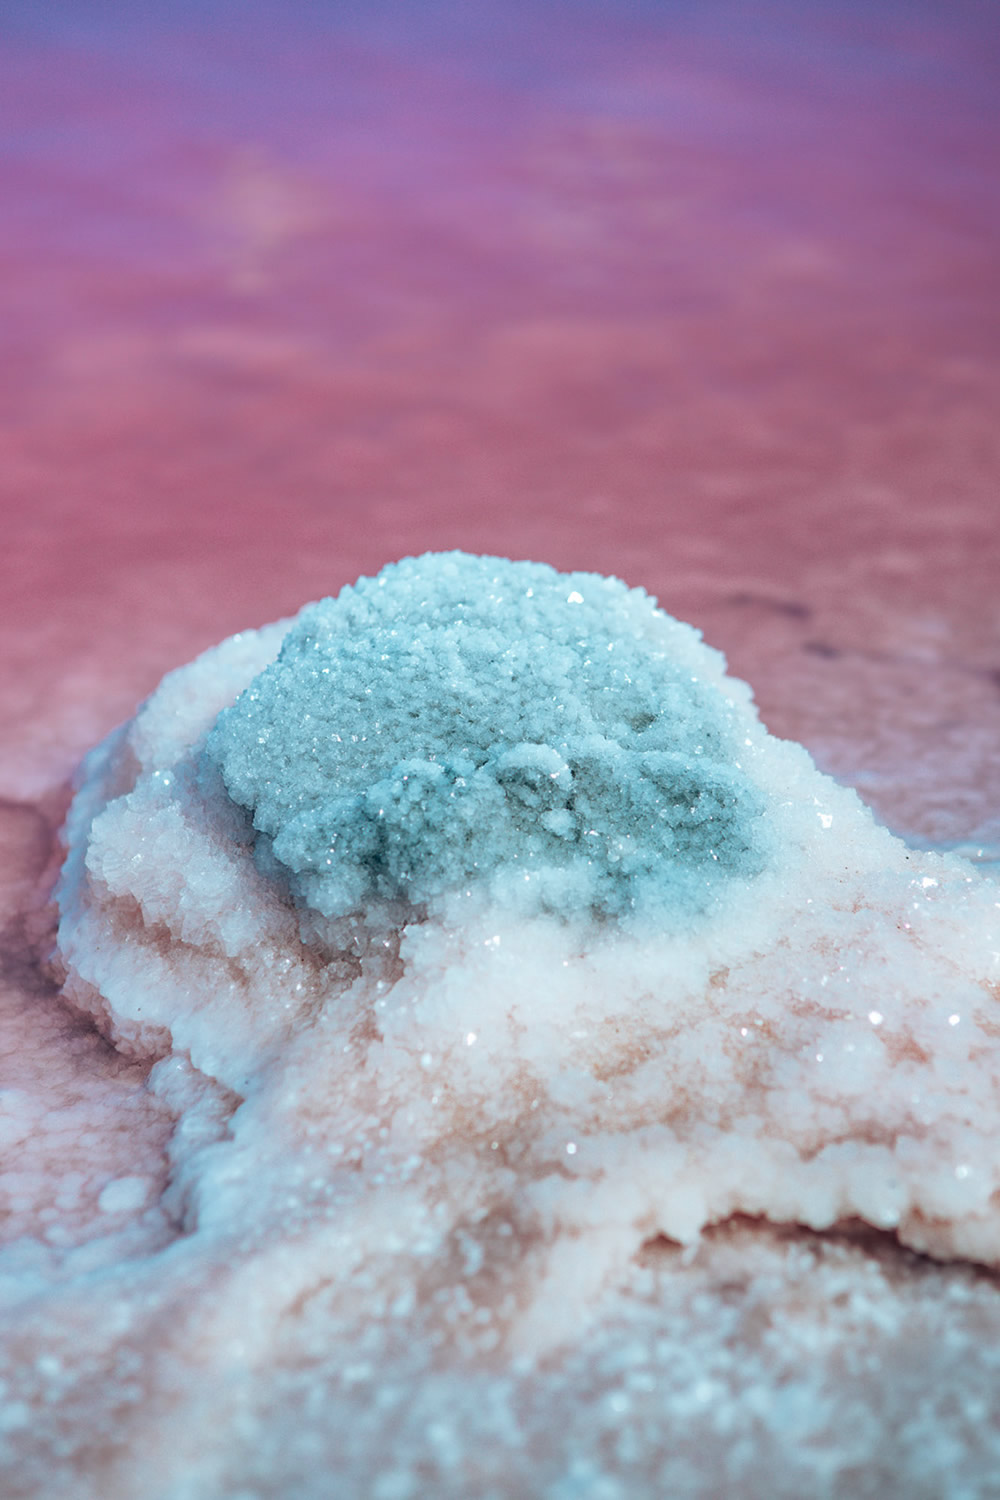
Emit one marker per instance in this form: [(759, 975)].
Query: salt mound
[(508, 940), (460, 720)]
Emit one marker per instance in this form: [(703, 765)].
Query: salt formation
[(480, 936), (457, 721)]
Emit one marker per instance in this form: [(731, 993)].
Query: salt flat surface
[(443, 1160)]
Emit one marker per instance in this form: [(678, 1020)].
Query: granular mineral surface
[(487, 952), (464, 721)]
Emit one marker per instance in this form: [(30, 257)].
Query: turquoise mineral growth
[(469, 722)]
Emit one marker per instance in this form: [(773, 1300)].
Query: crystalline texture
[(464, 721), (518, 942)]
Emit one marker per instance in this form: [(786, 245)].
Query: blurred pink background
[(701, 294)]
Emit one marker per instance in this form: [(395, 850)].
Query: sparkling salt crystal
[(700, 981), (123, 1195)]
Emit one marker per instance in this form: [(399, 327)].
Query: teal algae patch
[(461, 722)]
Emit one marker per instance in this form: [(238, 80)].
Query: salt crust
[(491, 1106), (464, 721)]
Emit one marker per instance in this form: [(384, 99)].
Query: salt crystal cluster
[(467, 721), (480, 935)]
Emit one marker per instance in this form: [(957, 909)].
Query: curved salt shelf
[(514, 942)]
